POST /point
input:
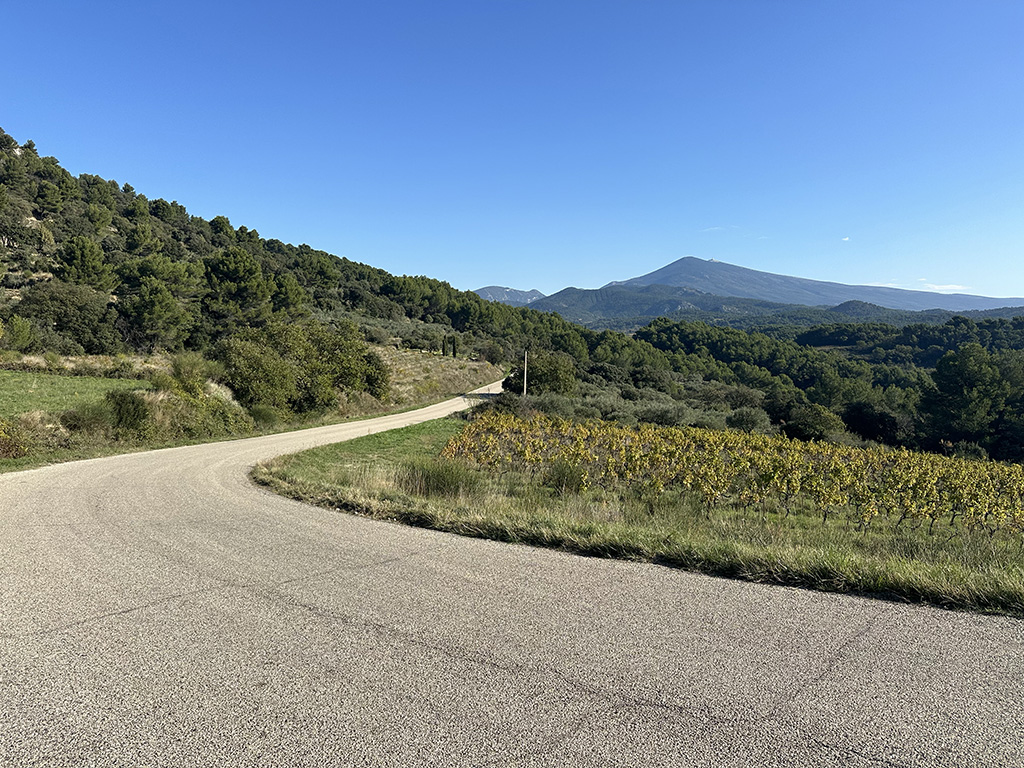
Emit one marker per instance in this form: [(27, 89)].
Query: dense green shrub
[(14, 443), (19, 335), (92, 418), (258, 375), (191, 371), (177, 415), (665, 414), (215, 418), (545, 372), (300, 368), (748, 419), (265, 416), (128, 410), (812, 422)]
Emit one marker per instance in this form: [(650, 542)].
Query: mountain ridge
[(511, 296), (625, 308), (722, 279)]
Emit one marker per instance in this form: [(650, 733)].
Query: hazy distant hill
[(721, 279), (622, 307), (509, 296), (622, 302)]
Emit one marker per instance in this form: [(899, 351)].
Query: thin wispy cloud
[(713, 229), (950, 288), (846, 239)]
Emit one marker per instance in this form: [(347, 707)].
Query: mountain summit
[(509, 296), (721, 279)]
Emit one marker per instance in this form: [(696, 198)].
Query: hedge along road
[(158, 609)]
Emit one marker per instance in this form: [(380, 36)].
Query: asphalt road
[(158, 610)]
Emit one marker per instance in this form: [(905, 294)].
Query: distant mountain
[(508, 296), (721, 279), (641, 303), (626, 308)]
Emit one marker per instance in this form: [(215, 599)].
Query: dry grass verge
[(397, 476)]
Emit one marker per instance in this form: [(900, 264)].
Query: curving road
[(158, 610)]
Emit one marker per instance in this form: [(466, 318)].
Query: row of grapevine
[(757, 470)]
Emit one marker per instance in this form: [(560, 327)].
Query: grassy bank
[(23, 392), (47, 418), (397, 476)]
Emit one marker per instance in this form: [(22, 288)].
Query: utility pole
[(526, 357)]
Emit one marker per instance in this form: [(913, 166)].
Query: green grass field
[(21, 392), (395, 476)]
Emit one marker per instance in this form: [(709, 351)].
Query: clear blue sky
[(554, 143)]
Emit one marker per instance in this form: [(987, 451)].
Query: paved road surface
[(158, 610)]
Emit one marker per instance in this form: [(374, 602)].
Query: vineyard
[(758, 473)]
